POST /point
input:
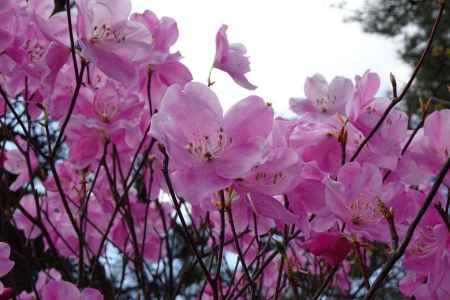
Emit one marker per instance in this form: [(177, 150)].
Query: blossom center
[(106, 110), (363, 210), (105, 32), (323, 103), (426, 241), (34, 50), (208, 147)]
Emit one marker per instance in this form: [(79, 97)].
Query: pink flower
[(272, 209), (44, 277), (5, 263), (170, 70), (4, 5), (317, 141), (164, 31), (355, 198), (333, 247), (111, 114), (308, 200), (428, 256), (5, 266), (208, 150), (59, 289), (384, 148), (36, 55), (364, 111), (324, 98), (110, 41), (151, 245), (55, 217), (16, 163), (278, 171), (244, 207), (366, 88), (58, 101), (416, 284), (28, 203), (231, 59), (61, 230), (8, 20)]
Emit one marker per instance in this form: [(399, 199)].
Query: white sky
[(287, 40)]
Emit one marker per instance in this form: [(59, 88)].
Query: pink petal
[(250, 118), (316, 87), (111, 64), (91, 294), (196, 184), (271, 208)]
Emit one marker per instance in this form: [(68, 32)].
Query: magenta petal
[(277, 175), (237, 160), (301, 106), (335, 198), (20, 181), (5, 250), (232, 59), (333, 247), (5, 4), (242, 80), (5, 40), (57, 290), (166, 75), (190, 112), (196, 184), (111, 64), (358, 177), (167, 34), (57, 56), (222, 44), (91, 294), (367, 87), (186, 116), (436, 130), (271, 208), (86, 150), (316, 87), (341, 92), (5, 267), (242, 212), (5, 264), (249, 119)]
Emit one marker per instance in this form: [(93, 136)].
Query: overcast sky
[(286, 40)]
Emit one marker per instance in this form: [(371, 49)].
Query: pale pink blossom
[(231, 59)]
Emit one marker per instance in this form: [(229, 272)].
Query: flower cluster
[(112, 145)]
